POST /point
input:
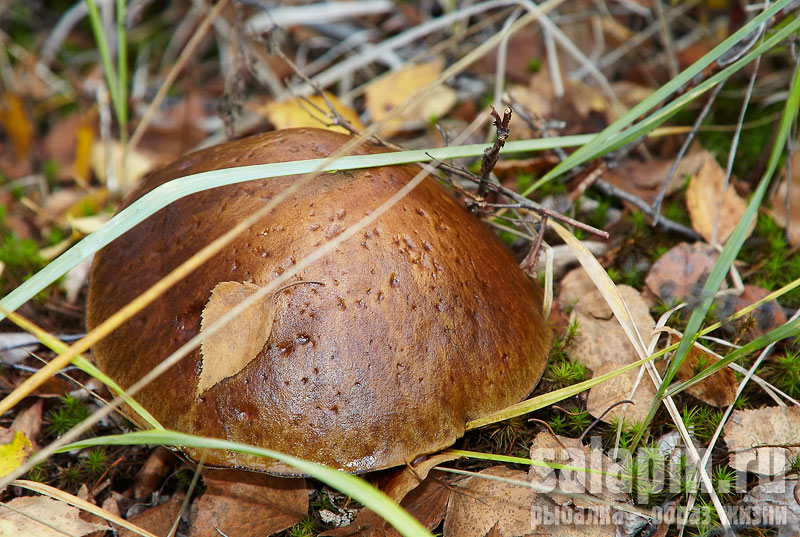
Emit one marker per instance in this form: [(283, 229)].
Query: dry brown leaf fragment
[(593, 484), (158, 519), (645, 179), (775, 428), (702, 199), (42, 515), (152, 472), (602, 345), (427, 503), (246, 503), (477, 505), (790, 222), (390, 91), (717, 390), (766, 317), (681, 272), (233, 346), (774, 503)]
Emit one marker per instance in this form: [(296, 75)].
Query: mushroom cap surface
[(424, 320)]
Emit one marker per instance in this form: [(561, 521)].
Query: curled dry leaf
[(703, 197), (309, 112), (681, 272), (153, 472), (601, 345), (246, 503), (776, 428), (790, 221), (233, 346), (390, 91), (41, 516)]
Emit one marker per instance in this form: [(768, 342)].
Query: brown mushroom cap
[(423, 322)]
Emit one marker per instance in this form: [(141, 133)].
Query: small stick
[(492, 154), (531, 260)]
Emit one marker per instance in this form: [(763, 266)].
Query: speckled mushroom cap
[(423, 322)]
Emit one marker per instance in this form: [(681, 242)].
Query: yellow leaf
[(15, 120), (302, 113), (14, 452), (228, 350), (137, 164), (84, 135), (390, 91), (702, 198)]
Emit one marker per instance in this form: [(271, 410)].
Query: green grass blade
[(606, 140), (122, 66), (353, 486), (105, 57), (731, 248), (184, 186), (790, 329)]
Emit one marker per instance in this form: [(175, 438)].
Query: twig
[(531, 260), (667, 224), (655, 209), (521, 202), (491, 154)]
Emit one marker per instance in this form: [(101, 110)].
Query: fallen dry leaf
[(645, 179), (137, 164), (232, 347), (427, 503), (778, 202), (681, 273), (774, 503), (767, 317), (246, 503), (14, 449), (42, 509), (29, 422), (14, 119), (157, 519), (601, 345), (479, 505), (399, 482), (768, 426), (153, 472), (574, 285), (717, 390), (390, 91), (702, 198), (299, 112), (601, 483)]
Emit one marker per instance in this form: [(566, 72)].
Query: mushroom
[(371, 357)]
